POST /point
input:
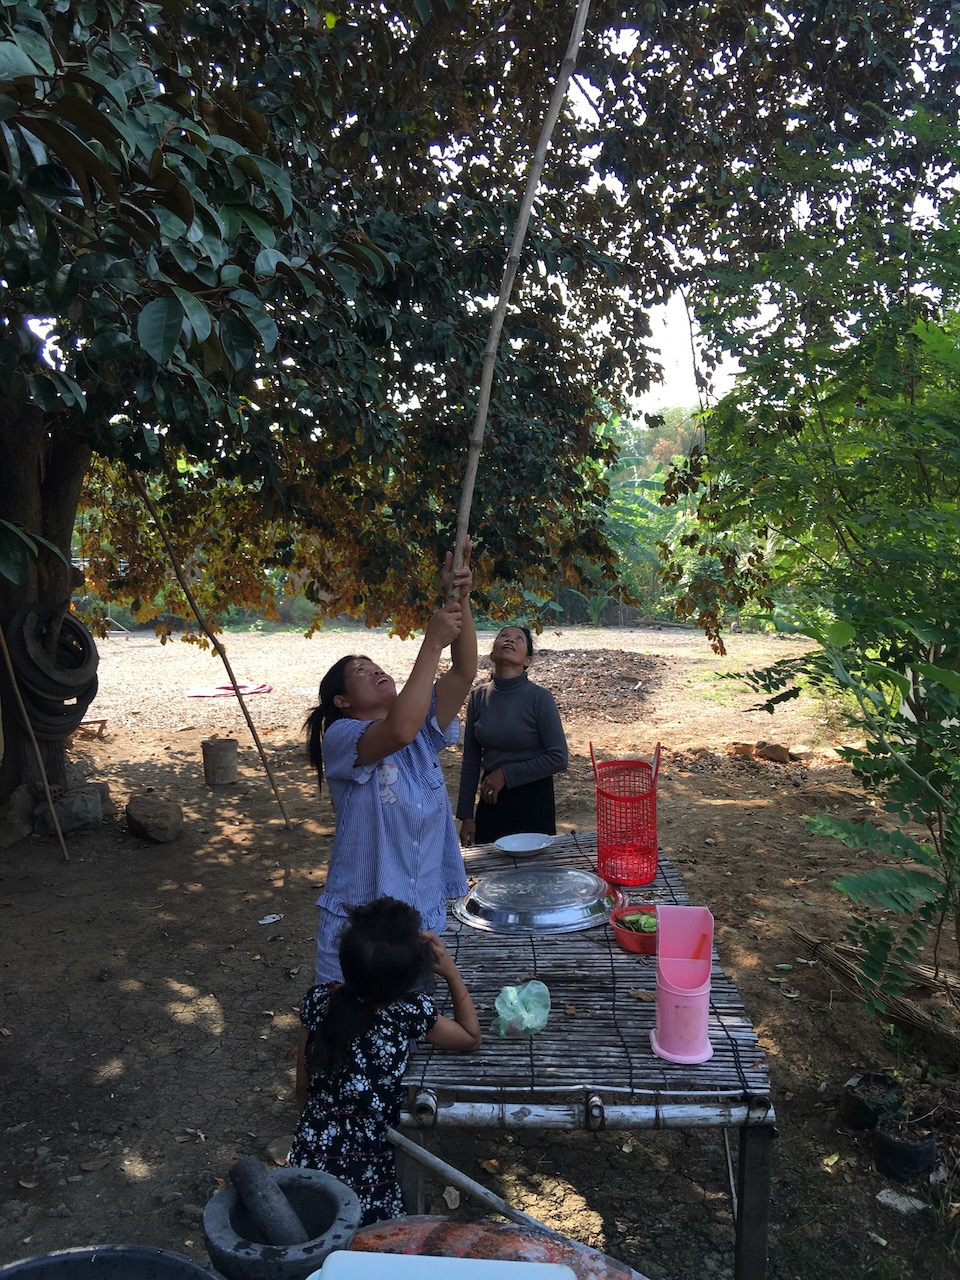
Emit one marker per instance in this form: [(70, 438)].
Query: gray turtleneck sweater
[(513, 725)]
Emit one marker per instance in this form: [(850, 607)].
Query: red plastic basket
[(626, 818)]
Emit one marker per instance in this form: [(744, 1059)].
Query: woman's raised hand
[(460, 580), (445, 625)]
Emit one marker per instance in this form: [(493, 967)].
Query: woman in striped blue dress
[(379, 748)]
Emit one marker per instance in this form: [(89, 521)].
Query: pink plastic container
[(684, 957)]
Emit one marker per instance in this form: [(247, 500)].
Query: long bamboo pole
[(205, 628), (475, 1190), (490, 1200), (509, 275)]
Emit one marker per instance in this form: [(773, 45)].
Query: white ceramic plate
[(523, 842)]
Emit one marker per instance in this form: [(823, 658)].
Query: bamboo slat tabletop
[(597, 1039)]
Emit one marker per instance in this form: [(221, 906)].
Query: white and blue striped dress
[(395, 834)]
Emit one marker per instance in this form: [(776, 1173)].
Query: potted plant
[(904, 1142), (867, 1096)]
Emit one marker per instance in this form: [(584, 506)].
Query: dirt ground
[(149, 1016)]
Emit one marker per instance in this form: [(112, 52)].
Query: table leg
[(753, 1201)]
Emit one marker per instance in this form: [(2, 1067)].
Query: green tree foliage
[(263, 243), (638, 524), (276, 312), (830, 491), (907, 709), (830, 474), (305, 306)]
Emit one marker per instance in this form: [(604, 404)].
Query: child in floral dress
[(356, 1039)]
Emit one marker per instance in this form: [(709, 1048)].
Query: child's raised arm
[(461, 1032)]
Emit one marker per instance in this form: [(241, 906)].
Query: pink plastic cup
[(685, 944)]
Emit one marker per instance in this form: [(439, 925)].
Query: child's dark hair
[(383, 956), (322, 716)]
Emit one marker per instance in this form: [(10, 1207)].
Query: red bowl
[(630, 939)]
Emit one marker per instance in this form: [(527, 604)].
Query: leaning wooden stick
[(205, 628), (8, 663), (510, 271)]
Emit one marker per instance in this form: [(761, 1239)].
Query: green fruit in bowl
[(639, 922)]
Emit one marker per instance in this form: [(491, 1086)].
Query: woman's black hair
[(322, 716), (383, 956)]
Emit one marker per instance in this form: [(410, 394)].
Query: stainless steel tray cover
[(538, 900)]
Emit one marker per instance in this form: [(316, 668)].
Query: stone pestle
[(266, 1204)]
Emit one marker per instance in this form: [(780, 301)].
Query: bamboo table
[(597, 1070)]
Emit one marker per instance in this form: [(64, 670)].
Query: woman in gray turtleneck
[(513, 745)]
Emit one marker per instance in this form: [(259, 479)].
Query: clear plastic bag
[(522, 1011)]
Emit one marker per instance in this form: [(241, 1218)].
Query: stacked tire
[(56, 687)]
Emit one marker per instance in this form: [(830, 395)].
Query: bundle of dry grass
[(939, 1027)]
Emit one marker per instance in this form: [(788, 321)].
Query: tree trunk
[(41, 478)]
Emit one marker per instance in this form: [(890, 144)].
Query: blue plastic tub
[(109, 1262)]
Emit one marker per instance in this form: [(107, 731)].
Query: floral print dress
[(343, 1129)]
